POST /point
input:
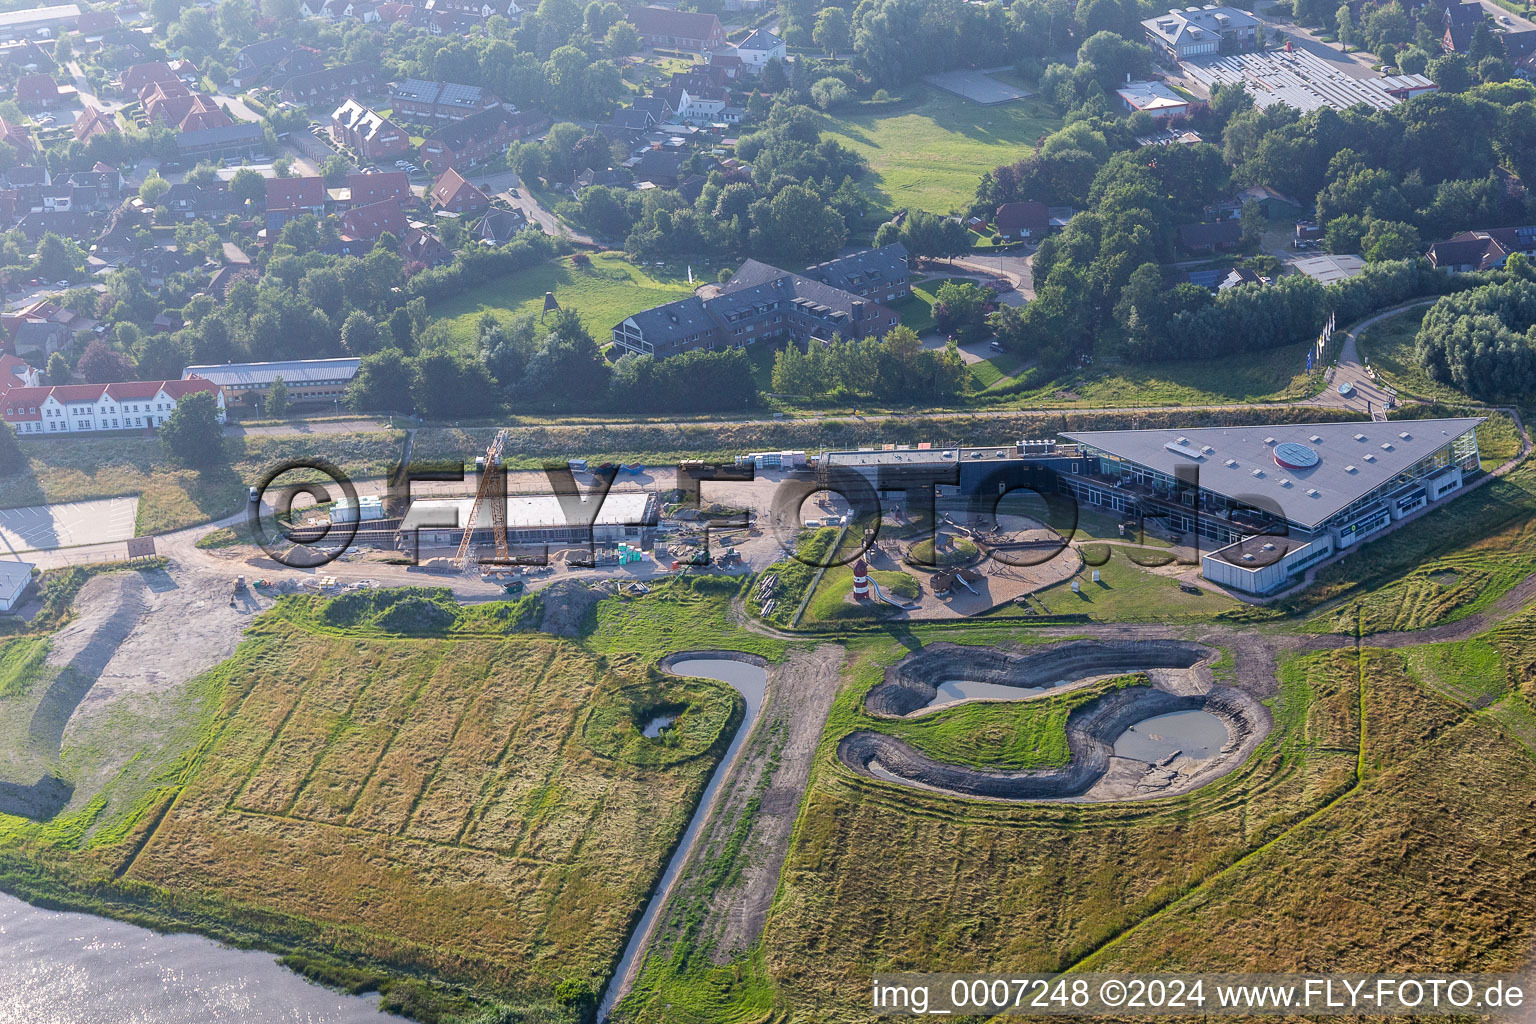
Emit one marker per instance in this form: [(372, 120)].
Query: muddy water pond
[(64, 968), (1195, 734), (752, 682), (657, 725), (951, 690)]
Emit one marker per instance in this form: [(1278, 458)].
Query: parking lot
[(44, 527)]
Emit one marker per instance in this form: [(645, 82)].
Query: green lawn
[(604, 293), (1388, 346), (1274, 375), (930, 151)]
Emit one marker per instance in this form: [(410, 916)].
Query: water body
[(951, 690), (752, 682), (1195, 734), (654, 727), (64, 968)]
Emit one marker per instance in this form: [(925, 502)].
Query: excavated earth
[(1180, 680)]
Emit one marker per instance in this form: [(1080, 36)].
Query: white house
[(14, 577), (73, 408), (759, 48), (699, 108)]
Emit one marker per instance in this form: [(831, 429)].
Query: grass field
[(171, 496), (1388, 346), (604, 293), (900, 142), (1275, 375), (1454, 562), (878, 875), (482, 810), (1002, 736)]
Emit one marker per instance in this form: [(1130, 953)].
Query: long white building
[(83, 408)]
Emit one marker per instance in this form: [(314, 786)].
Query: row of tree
[(893, 368), (1483, 341)]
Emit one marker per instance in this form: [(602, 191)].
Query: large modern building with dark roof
[(760, 302), (1264, 503)]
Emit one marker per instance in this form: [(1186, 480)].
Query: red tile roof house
[(92, 122), (1023, 220), (372, 135), (367, 223), (382, 185), (17, 138), (678, 30), (452, 194), (140, 75), (291, 198), (479, 137), (76, 408), (37, 92)]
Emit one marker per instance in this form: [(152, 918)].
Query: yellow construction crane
[(492, 479)]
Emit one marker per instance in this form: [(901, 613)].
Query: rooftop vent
[(1386, 446), (1247, 556), (1315, 439), (1258, 472), (1405, 435), (1231, 463), (1369, 457), (1285, 481), (1359, 437), (1183, 440), (1349, 469), (1312, 492), (1269, 547), (1269, 440)]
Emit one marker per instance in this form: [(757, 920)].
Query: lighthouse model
[(860, 581)]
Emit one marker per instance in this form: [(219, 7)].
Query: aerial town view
[(767, 511)]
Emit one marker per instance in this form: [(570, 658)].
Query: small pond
[(1195, 734), (951, 690)]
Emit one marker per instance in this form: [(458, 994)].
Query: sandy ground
[(137, 634), (800, 694)]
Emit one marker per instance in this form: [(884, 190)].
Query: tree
[(59, 370), (833, 31), (1450, 73), (1345, 18), (12, 459), (445, 385), (162, 356), (829, 92), (335, 169), (568, 366), (277, 398), (59, 257), (797, 224), (961, 307), (102, 365), (360, 334), (248, 185), (153, 188), (63, 51), (382, 384), (621, 40), (191, 434), (773, 78)]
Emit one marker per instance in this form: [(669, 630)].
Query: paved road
[(302, 427), (1368, 395)]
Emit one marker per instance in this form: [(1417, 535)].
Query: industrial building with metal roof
[(307, 380)]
